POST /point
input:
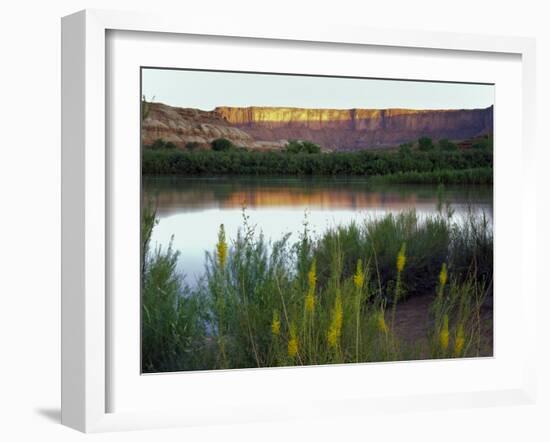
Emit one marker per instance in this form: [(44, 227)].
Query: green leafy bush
[(222, 145), (192, 145), (296, 146), (160, 144), (405, 149), (445, 144), (425, 144), (173, 324), (485, 143)]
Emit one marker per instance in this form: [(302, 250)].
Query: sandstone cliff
[(335, 129), (182, 126)]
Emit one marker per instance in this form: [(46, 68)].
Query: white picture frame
[(86, 316)]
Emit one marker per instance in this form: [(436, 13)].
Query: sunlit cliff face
[(245, 115), (281, 114), (260, 128)]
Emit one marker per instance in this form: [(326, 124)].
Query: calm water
[(192, 209)]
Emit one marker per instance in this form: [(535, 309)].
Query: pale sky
[(206, 90)]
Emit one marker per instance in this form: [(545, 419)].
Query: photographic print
[(295, 220)]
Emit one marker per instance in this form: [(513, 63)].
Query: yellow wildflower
[(444, 334), (293, 342), (276, 324), (312, 276), (310, 303), (401, 258), (382, 322), (335, 329), (310, 297), (332, 337), (359, 277), (459, 341), (443, 275), (293, 347), (221, 247)]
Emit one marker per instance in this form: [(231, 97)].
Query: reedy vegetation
[(327, 299), (473, 166)]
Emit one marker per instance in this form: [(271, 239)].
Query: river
[(190, 210)]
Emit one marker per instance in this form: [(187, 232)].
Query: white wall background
[(30, 215)]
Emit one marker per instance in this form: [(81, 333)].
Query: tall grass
[(332, 298)]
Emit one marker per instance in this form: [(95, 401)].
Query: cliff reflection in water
[(177, 195)]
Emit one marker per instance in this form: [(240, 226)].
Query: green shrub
[(445, 144), (192, 145), (380, 240), (296, 146), (405, 149), (160, 144), (173, 324), (471, 249), (484, 143), (425, 144), (222, 144)]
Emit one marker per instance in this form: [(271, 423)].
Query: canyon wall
[(333, 129), (352, 129)]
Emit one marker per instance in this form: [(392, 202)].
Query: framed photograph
[(281, 223)]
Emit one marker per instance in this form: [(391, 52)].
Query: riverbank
[(330, 298), (479, 176), (458, 167)]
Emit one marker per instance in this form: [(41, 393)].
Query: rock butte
[(333, 129)]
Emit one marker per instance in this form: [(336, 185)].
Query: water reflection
[(191, 209), (176, 195)]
